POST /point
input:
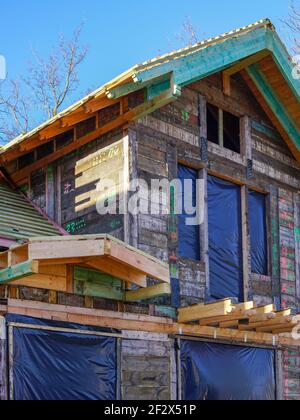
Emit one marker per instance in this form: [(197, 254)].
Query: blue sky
[(119, 33)]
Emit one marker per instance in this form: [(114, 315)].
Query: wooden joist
[(197, 312), (19, 271), (148, 293), (245, 317)]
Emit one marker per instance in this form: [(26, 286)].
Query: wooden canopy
[(49, 262)]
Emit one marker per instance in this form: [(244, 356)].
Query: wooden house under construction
[(145, 305)]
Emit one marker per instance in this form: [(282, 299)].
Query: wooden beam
[(226, 83), (98, 104), (46, 282), (118, 270), (267, 309), (132, 322), (273, 108), (288, 326), (245, 241), (17, 255), (148, 293), (242, 64), (3, 260), (135, 113), (56, 250), (18, 271), (271, 315), (234, 316), (241, 307), (197, 312), (93, 283), (141, 262), (266, 324)]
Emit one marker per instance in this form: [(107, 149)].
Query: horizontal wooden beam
[(18, 271), (141, 262), (142, 323), (55, 250), (197, 312), (133, 114), (88, 282), (148, 293), (43, 281), (118, 270)]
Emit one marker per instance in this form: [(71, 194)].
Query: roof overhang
[(244, 50)]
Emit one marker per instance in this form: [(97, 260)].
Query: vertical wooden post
[(203, 175), (172, 159), (132, 220), (204, 234), (279, 376), (58, 196), (70, 279), (246, 137), (202, 117), (221, 128), (50, 192), (275, 245), (125, 182), (3, 360), (245, 236)]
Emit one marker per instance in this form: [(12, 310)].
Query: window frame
[(220, 140)]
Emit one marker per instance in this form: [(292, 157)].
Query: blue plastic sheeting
[(62, 366), (216, 372), (189, 237), (258, 233), (225, 239)]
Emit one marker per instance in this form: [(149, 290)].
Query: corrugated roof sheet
[(19, 220)]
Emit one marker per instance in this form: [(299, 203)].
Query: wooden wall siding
[(57, 191), (274, 168), (262, 289), (164, 138), (38, 192), (147, 367), (287, 250), (291, 375), (192, 282)]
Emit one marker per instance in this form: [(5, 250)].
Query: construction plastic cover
[(258, 233), (223, 372), (225, 239), (189, 239), (51, 365)]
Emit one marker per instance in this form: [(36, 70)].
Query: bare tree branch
[(14, 110), (48, 85), (53, 80), (292, 23), (189, 34)]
